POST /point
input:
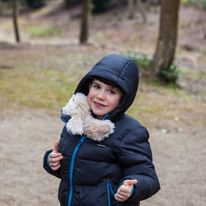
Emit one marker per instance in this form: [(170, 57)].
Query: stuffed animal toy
[(82, 120)]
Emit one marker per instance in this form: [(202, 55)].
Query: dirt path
[(27, 134)]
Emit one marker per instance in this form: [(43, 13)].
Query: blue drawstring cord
[(105, 116)]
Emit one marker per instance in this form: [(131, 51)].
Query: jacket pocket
[(88, 195), (94, 195)]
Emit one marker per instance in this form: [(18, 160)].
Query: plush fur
[(82, 121)]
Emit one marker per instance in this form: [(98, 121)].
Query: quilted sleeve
[(45, 160), (135, 157), (48, 168)]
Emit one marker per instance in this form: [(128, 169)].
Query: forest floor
[(33, 75)]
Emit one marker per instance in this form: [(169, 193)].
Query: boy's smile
[(103, 98)]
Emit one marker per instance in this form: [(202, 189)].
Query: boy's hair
[(106, 81)]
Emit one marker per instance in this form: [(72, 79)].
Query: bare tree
[(1, 7), (142, 11), (131, 9), (202, 8), (85, 20), (131, 5), (15, 19), (166, 43)]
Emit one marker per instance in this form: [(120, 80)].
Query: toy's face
[(78, 102), (72, 103), (103, 98)]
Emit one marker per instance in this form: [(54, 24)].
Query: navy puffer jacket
[(92, 171)]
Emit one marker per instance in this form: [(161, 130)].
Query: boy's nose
[(101, 95)]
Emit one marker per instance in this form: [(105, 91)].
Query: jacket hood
[(121, 71)]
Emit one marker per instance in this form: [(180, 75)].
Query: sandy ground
[(26, 134)]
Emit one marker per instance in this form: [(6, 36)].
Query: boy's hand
[(124, 191), (55, 157)]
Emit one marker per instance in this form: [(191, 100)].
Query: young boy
[(117, 170)]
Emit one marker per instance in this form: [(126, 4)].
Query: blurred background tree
[(35, 3), (161, 65), (131, 7), (85, 21), (15, 19), (166, 43)]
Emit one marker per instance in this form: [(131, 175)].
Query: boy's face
[(103, 98)]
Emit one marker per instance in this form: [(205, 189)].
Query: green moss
[(40, 31), (150, 109), (191, 74), (6, 25), (98, 37), (156, 84), (171, 89), (41, 88), (203, 75)]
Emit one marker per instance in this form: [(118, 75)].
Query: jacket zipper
[(109, 188), (72, 167)]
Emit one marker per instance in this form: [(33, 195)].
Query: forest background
[(39, 74)]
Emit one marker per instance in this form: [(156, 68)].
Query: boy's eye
[(96, 86), (111, 92)]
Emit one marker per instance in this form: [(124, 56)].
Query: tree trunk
[(202, 20), (142, 11), (131, 9), (166, 44), (1, 7), (85, 20), (15, 20)]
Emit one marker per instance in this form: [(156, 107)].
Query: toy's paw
[(98, 129)]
